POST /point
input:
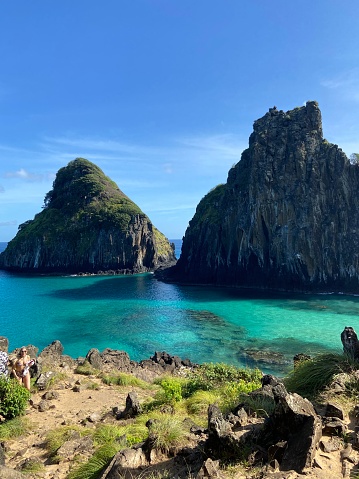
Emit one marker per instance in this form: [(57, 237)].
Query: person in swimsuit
[(22, 366)]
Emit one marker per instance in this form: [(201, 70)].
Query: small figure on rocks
[(350, 342), (22, 367)]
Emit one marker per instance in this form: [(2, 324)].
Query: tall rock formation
[(87, 225), (287, 218)]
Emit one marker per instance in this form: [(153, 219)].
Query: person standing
[(22, 367)]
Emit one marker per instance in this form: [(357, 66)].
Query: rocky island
[(87, 225), (286, 219)]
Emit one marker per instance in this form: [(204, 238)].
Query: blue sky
[(162, 94)]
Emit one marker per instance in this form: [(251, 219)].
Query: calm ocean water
[(141, 315)]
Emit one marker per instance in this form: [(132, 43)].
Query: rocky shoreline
[(109, 360)]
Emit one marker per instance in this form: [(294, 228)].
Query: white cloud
[(23, 174), (17, 174)]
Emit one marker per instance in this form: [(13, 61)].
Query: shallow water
[(141, 315)]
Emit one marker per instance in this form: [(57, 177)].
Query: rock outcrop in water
[(287, 218), (87, 225)]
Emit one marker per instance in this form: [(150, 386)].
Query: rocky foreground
[(295, 439)]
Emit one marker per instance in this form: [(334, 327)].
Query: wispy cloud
[(168, 168), (206, 155), (226, 145), (23, 174), (99, 145), (8, 223), (347, 83)]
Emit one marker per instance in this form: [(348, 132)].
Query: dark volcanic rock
[(287, 218), (87, 225)]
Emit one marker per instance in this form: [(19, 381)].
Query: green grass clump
[(86, 369), (231, 393), (96, 464), (311, 377), (124, 435), (93, 386), (198, 403), (33, 466), (262, 406), (14, 428), (167, 432)]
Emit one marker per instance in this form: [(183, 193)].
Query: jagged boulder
[(287, 216), (225, 440), (132, 409), (127, 459), (51, 355), (210, 470), (87, 225), (116, 359), (94, 358), (288, 438), (295, 424)]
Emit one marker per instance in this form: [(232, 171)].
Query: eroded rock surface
[(287, 216)]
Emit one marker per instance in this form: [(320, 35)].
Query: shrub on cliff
[(13, 398), (214, 375)]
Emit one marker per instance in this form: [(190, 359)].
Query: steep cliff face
[(288, 216), (87, 225)]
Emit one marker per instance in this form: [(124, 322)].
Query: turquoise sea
[(141, 315)]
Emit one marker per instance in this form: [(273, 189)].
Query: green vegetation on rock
[(81, 196), (87, 224), (208, 208)]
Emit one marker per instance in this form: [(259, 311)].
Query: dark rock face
[(88, 225), (287, 218)]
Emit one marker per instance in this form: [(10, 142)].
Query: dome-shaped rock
[(87, 225)]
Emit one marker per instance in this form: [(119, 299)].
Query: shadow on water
[(145, 286)]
